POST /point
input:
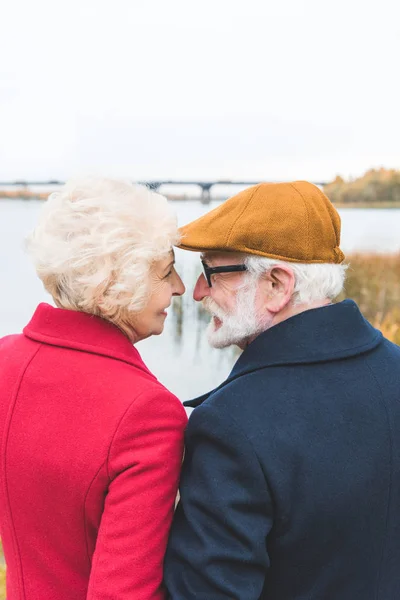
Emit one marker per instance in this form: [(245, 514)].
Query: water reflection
[(184, 307)]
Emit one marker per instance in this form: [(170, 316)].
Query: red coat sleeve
[(144, 465)]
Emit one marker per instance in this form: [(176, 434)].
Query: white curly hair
[(95, 241)]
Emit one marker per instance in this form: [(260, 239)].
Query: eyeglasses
[(209, 271)]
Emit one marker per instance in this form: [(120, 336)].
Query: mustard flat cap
[(294, 222)]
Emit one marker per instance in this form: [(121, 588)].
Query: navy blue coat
[(290, 487)]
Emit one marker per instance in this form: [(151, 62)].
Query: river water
[(180, 357)]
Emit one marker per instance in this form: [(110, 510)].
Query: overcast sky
[(213, 89)]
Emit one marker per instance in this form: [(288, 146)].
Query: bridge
[(205, 186)]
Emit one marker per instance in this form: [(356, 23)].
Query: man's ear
[(279, 284)]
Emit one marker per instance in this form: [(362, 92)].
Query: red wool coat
[(91, 448)]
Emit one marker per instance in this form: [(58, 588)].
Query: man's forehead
[(216, 258)]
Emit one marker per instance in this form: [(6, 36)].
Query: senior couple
[(290, 484)]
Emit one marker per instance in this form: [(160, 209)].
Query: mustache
[(212, 307)]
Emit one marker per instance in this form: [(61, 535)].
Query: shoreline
[(29, 195)]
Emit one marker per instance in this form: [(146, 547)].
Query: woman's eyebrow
[(169, 264)]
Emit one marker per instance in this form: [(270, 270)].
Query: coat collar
[(81, 331), (328, 333)]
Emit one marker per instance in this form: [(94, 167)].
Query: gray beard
[(237, 326)]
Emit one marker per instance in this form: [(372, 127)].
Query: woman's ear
[(278, 288)]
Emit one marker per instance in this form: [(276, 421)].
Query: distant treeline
[(377, 186), (26, 194)]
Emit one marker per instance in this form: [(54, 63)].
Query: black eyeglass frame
[(208, 271)]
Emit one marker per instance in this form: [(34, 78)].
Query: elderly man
[(290, 487)]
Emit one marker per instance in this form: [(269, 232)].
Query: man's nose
[(201, 289)]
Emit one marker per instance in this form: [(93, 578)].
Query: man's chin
[(218, 338), (218, 344)]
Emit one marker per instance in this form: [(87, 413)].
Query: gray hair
[(313, 281), (95, 241)]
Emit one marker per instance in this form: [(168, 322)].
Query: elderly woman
[(91, 442)]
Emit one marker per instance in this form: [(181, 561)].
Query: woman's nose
[(179, 287), (201, 289)]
